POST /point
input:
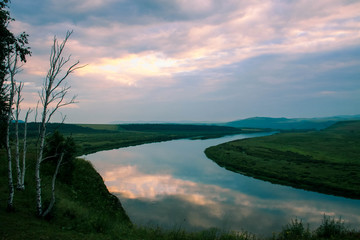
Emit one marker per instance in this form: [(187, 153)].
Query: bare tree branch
[(52, 201), (53, 96)]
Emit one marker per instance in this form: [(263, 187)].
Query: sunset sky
[(198, 60)]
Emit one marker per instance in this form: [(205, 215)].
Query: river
[(174, 185)]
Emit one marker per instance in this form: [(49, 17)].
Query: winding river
[(174, 185)]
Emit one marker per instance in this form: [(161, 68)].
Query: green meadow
[(326, 161), (85, 209)]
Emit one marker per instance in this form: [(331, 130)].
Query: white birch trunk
[(11, 68), (52, 201), (10, 202), (17, 150), (38, 163), (17, 153), (22, 187)]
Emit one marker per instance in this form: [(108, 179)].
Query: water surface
[(173, 184)]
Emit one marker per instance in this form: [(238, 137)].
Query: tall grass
[(330, 228), (295, 230)]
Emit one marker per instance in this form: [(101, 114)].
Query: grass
[(325, 161), (330, 228), (86, 210)]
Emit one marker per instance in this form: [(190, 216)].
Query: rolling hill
[(290, 123)]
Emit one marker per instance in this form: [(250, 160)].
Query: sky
[(197, 60)]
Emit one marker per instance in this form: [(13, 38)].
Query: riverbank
[(326, 161), (101, 137), (92, 138)]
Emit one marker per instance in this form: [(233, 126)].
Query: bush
[(295, 231), (55, 145), (331, 228)]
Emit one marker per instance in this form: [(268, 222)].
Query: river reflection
[(173, 184)]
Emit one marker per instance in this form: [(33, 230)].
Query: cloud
[(132, 67), (172, 49), (83, 6), (245, 33)]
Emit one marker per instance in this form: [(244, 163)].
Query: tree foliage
[(56, 144), (5, 37), (9, 44)]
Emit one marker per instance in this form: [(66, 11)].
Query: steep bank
[(325, 161), (84, 208)]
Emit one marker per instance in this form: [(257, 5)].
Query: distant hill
[(290, 123)]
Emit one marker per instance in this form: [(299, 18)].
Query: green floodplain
[(85, 209), (326, 161)]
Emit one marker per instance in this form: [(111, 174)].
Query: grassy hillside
[(325, 161), (84, 208)]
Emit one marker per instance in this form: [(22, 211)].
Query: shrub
[(331, 228), (55, 145), (295, 231)]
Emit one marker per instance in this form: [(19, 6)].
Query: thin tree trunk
[(52, 201), (38, 163), (17, 151), (24, 151), (10, 203)]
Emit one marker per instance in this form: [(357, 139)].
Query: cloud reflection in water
[(172, 202), (194, 193)]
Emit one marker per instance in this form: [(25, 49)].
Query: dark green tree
[(9, 44), (57, 144), (6, 37)]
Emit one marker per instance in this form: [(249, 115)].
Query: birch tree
[(52, 97), (20, 170), (59, 151), (12, 50), (56, 172), (16, 52), (11, 69), (22, 185), (19, 99)]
